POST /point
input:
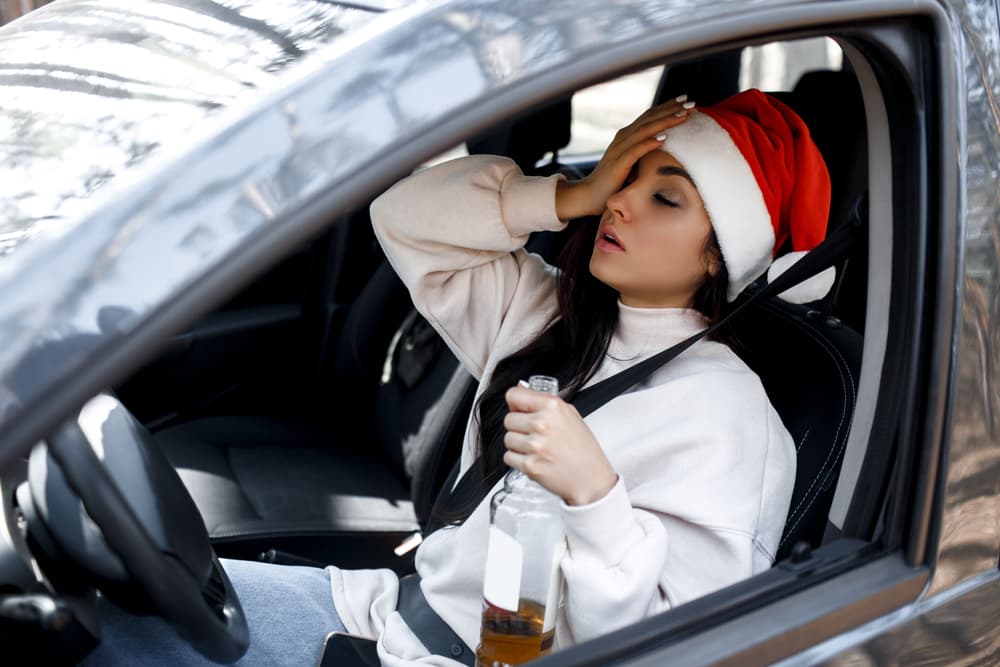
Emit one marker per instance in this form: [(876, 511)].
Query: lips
[(608, 240)]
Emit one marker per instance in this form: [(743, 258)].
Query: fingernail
[(662, 136), (681, 98), (681, 113), (688, 105), (522, 383)]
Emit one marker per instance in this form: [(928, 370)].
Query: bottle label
[(502, 582), (555, 587)]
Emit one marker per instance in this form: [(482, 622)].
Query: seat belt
[(436, 635), (586, 401)]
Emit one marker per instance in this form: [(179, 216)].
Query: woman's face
[(651, 244)]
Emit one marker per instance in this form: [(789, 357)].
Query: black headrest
[(830, 103), (529, 138), (708, 79)]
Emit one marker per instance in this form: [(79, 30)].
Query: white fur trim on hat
[(812, 289), (731, 195)]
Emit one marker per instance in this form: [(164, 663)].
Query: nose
[(619, 206)]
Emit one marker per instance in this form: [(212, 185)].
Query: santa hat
[(763, 182)]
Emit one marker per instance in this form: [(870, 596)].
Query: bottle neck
[(518, 483)]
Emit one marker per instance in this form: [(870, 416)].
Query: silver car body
[(240, 128)]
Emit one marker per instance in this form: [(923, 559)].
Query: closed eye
[(663, 200)]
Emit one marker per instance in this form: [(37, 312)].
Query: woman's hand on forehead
[(588, 196), (548, 441)]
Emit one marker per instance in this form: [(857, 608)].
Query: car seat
[(301, 485), (815, 397), (831, 104)]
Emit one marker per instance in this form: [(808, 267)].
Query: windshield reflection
[(88, 90)]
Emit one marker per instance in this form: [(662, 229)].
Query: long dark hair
[(571, 348)]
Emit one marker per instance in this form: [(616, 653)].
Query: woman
[(670, 491)]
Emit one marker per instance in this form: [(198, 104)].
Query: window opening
[(599, 111), (777, 66)]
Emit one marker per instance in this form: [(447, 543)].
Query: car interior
[(349, 471), (316, 416)]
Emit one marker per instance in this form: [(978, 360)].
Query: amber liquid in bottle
[(513, 638)]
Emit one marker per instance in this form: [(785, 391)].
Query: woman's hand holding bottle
[(549, 442), (588, 196)]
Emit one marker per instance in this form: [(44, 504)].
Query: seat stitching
[(802, 441), (840, 451), (839, 444), (809, 495), (843, 441), (843, 387), (838, 448)]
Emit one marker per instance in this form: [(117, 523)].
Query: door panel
[(240, 360), (265, 350)]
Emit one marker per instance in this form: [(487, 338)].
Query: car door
[(924, 588)]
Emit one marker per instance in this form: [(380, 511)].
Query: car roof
[(154, 166)]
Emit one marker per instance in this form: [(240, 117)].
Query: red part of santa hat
[(763, 181)]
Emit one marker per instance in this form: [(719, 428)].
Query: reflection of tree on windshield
[(90, 90)]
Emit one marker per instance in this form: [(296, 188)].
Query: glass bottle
[(523, 580)]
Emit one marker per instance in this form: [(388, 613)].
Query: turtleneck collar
[(641, 331)]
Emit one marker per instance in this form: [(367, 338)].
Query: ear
[(711, 255), (713, 262)]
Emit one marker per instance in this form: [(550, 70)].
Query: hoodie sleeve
[(617, 570), (701, 507), (455, 235)]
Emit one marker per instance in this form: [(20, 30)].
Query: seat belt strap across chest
[(587, 400), (430, 628)]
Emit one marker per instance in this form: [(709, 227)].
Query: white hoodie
[(705, 466)]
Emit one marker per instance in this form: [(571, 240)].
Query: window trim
[(927, 260), (795, 622), (879, 281)]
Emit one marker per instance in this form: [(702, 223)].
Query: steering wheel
[(103, 496)]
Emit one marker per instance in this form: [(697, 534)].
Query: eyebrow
[(674, 171)]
